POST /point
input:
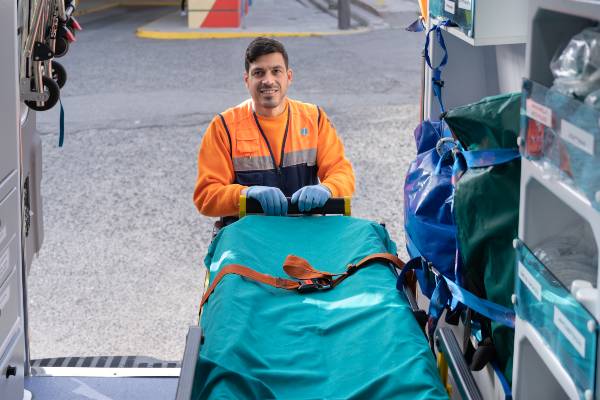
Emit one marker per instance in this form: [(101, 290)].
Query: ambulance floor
[(85, 388)]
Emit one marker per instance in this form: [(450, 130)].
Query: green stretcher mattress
[(356, 341)]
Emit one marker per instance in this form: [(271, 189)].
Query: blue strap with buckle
[(448, 294), (464, 160), (436, 78)]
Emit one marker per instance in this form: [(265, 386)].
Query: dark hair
[(262, 46)]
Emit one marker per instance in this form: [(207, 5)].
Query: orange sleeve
[(335, 170), (215, 194)]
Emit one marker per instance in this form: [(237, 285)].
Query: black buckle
[(351, 268), (313, 285)]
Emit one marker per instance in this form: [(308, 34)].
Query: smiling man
[(270, 146)]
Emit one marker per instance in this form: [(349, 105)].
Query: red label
[(534, 145)]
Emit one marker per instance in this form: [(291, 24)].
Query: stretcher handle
[(333, 206)]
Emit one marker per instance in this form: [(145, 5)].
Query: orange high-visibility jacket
[(235, 154)]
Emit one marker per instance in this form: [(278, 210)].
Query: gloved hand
[(272, 200), (310, 197)]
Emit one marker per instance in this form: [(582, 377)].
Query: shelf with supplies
[(563, 231), (557, 294), (551, 314), (562, 135), (483, 22), (546, 40)]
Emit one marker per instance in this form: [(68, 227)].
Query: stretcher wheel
[(61, 47), (50, 87), (59, 74)]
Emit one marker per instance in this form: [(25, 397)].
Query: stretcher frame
[(450, 356)]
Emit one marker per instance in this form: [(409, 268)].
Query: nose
[(268, 79)]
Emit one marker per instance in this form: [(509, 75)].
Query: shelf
[(565, 326), (483, 22), (537, 372), (486, 41), (549, 207), (562, 135), (546, 39), (489, 41), (557, 300)]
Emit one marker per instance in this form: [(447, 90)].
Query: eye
[(258, 73)]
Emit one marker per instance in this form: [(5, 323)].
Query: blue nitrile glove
[(271, 199), (310, 197)]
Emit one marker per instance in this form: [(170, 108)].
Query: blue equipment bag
[(428, 192)]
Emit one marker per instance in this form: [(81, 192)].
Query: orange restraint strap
[(309, 279)]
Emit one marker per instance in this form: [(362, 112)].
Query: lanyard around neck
[(287, 125)]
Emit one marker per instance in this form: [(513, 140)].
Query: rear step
[(105, 367), (105, 362)]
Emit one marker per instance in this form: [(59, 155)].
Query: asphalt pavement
[(121, 271)]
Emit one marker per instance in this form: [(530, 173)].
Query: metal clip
[(313, 285)]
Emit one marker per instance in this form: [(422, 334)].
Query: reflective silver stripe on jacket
[(264, 163), (307, 156), (257, 163)]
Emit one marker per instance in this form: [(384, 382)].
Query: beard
[(270, 100)]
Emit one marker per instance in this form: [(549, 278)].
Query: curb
[(163, 35), (91, 10), (367, 7), (359, 19), (104, 7)]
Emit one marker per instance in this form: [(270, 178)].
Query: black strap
[(318, 116), (228, 135), (287, 126)]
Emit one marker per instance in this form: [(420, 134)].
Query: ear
[(246, 76), (290, 75)]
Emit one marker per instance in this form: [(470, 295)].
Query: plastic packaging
[(558, 317), (568, 144), (593, 99), (571, 256), (577, 69)]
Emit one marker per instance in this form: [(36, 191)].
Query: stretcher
[(274, 324)]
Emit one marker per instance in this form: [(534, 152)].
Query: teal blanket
[(358, 341)]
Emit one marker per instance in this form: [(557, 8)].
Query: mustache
[(274, 86)]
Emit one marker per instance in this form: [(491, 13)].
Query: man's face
[(267, 81)]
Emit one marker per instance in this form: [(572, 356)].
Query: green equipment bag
[(486, 208), (358, 340)]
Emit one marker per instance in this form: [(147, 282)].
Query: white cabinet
[(484, 22), (558, 303), (12, 347)]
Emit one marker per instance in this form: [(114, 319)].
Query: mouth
[(268, 91)]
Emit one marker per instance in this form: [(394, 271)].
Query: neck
[(270, 112)]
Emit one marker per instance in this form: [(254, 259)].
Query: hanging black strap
[(285, 135), (318, 117), (228, 134)]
